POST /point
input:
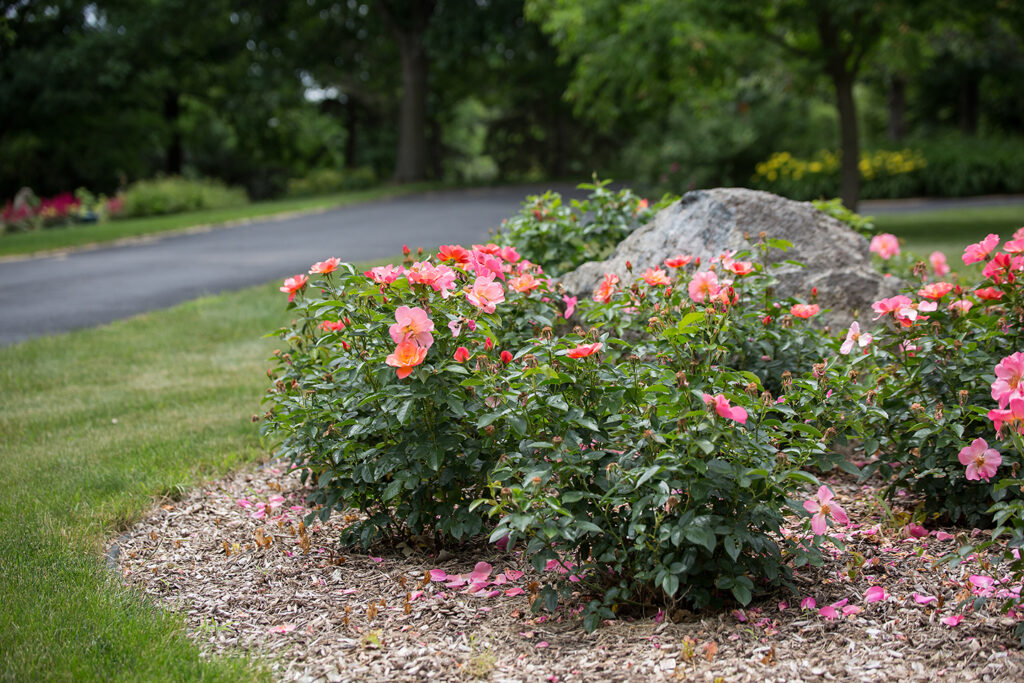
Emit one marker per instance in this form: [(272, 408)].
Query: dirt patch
[(234, 560)]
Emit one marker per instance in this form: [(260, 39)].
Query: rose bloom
[(854, 336), (741, 267), (939, 264), (331, 326), (989, 294), (656, 277), (524, 283), (324, 267), (725, 409), (1013, 416), (979, 251), (1014, 246), (385, 275), (1009, 375), (509, 254), (485, 293), (407, 355), (641, 206), (440, 278), (461, 354), (980, 460), (584, 350), (454, 253), (805, 310), (704, 285), (821, 507), (292, 286), (606, 289), (412, 323), (961, 306), (935, 290), (885, 245), (678, 261)]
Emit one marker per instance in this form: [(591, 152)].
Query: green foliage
[(176, 195), (834, 207), (329, 180), (560, 237)]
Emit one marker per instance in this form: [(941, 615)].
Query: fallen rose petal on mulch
[(265, 585)]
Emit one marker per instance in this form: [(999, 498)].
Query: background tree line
[(671, 94)]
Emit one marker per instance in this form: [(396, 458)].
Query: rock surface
[(705, 223)]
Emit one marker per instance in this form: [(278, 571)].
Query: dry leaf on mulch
[(234, 558)]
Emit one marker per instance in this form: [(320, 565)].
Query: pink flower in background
[(725, 409), (641, 206), (584, 350), (656, 277), (570, 305), (885, 245), (324, 267), (821, 508), (439, 278), (704, 285), (975, 253), (407, 355), (509, 254), (412, 323), (605, 290), (292, 286), (935, 290), (1014, 246), (385, 275), (1009, 376), (678, 261), (805, 310), (961, 306), (890, 305), (461, 354), (939, 264), (506, 357), (484, 264), (741, 267), (855, 336), (486, 293), (980, 460), (524, 283), (1013, 416), (332, 326)]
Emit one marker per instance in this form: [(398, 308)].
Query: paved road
[(54, 294), (60, 293)]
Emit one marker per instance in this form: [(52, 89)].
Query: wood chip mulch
[(232, 559)]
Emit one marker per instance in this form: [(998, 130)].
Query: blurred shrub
[(945, 167), (329, 180), (175, 195)]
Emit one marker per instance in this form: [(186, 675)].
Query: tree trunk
[(897, 101), (412, 139), (175, 151), (969, 104), (849, 146)]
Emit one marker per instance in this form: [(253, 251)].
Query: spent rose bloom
[(656, 277), (939, 264), (885, 245), (324, 267), (412, 323), (407, 355), (980, 460), (805, 310), (724, 409), (584, 350), (1009, 376), (292, 286), (485, 293), (979, 251), (678, 261), (855, 336), (821, 508), (703, 286), (935, 290)]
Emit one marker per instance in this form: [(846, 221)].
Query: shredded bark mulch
[(233, 558)]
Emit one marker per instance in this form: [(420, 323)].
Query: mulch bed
[(232, 559)]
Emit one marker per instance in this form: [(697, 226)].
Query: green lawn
[(950, 230), (93, 426), (76, 236)]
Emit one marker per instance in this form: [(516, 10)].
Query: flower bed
[(648, 441)]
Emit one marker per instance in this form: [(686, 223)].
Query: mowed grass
[(94, 426), (950, 230), (79, 235)]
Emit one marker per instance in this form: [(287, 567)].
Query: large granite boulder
[(707, 222)]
